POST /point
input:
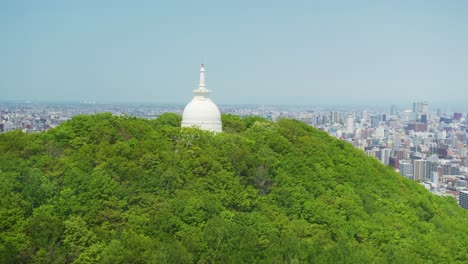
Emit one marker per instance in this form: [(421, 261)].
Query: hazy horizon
[(445, 107), (263, 52)]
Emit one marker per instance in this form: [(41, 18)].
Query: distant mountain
[(107, 189)]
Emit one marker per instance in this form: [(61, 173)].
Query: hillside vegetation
[(107, 189)]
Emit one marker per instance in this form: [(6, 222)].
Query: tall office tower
[(431, 167), (463, 199), (384, 117), (425, 107), (435, 177), (454, 141), (375, 121), (419, 170), (424, 118), (393, 110), (406, 169), (384, 155), (334, 117), (438, 112), (421, 107), (324, 119), (350, 125)]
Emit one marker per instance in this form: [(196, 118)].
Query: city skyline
[(260, 53), (422, 145)]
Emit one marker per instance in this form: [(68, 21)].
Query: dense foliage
[(107, 189)]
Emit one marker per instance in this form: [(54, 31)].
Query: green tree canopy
[(108, 189)]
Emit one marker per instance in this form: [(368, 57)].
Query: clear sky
[(254, 51)]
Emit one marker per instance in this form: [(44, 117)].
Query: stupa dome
[(201, 112)]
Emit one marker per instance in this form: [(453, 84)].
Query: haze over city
[(233, 131), (255, 52)]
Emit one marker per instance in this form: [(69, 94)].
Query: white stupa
[(201, 112)]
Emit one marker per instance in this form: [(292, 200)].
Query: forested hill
[(106, 189)]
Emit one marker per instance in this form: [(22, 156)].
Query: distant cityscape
[(421, 143)]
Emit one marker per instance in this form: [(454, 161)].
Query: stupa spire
[(201, 90), (202, 76)]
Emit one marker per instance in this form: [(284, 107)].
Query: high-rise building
[(375, 121), (324, 119), (317, 120), (350, 125), (406, 169), (334, 117), (431, 167), (435, 178), (402, 154), (450, 169), (463, 199), (421, 107), (424, 118), (201, 112), (393, 162), (420, 170), (384, 155), (425, 107), (393, 110)]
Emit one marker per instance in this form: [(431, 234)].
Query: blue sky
[(254, 51)]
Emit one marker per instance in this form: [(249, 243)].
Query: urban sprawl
[(427, 146)]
